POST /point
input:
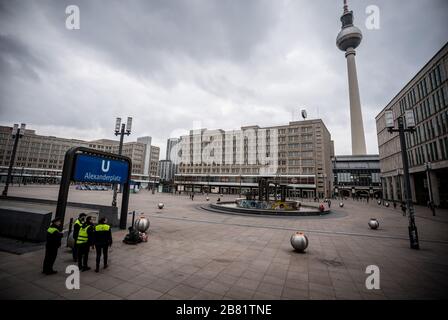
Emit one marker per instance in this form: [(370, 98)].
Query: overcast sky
[(175, 64)]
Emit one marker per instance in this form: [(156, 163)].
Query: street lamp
[(121, 129), (17, 133), (428, 178), (240, 184), (410, 127)]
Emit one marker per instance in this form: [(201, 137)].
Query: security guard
[(76, 226), (83, 242), (54, 236), (103, 240)]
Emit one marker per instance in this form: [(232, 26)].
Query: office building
[(427, 95), (357, 176), (40, 159), (297, 155)]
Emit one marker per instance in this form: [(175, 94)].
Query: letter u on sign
[(105, 165)]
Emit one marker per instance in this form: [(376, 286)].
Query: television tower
[(348, 40)]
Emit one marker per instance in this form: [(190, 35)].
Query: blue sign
[(97, 169)]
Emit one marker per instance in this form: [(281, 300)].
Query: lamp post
[(410, 127), (325, 185), (208, 184), (121, 129), (21, 176), (17, 133), (428, 178)]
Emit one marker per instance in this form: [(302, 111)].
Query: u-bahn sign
[(93, 166), (97, 169)]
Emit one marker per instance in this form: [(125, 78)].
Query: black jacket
[(102, 237), (54, 239), (76, 228)]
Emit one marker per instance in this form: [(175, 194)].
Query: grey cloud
[(225, 63)]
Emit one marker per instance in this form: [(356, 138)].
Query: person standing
[(102, 240), (54, 236), (403, 208), (76, 226), (83, 242)]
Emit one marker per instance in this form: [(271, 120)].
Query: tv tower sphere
[(349, 37)]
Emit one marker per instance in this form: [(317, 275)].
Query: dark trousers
[(104, 249), (83, 255), (75, 252), (50, 257)]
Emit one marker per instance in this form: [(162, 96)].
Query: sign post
[(89, 165)]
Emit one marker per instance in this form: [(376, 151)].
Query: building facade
[(297, 155), (427, 95), (357, 176), (40, 159), (154, 165), (170, 145), (166, 171)]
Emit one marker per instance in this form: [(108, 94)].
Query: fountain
[(261, 203)]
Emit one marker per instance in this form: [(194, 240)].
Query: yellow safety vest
[(52, 230), (102, 227), (78, 222), (83, 236)]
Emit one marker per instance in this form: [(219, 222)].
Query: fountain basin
[(302, 210)]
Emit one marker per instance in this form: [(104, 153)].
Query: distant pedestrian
[(432, 207), (192, 196), (54, 236), (76, 226), (329, 203), (403, 208), (102, 240), (84, 241), (395, 205)]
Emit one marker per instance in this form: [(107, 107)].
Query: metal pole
[(413, 234), (11, 163), (428, 177), (120, 150), (70, 227), (240, 185), (21, 176)]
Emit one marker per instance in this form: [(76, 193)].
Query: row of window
[(429, 83), (430, 152)]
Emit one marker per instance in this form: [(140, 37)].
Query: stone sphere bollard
[(341, 204), (160, 205), (373, 224), (207, 198), (299, 241), (141, 224), (387, 204), (379, 202)]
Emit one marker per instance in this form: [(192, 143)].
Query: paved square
[(196, 254)]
